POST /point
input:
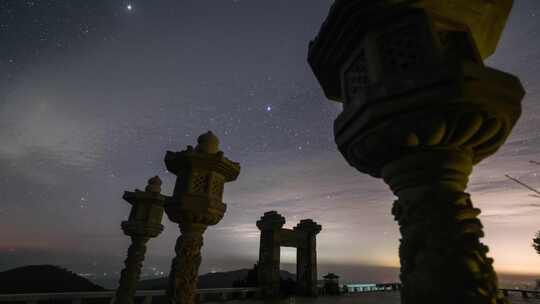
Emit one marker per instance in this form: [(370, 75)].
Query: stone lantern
[(196, 204), (144, 223), (420, 109), (331, 284)]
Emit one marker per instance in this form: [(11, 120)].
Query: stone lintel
[(291, 238)]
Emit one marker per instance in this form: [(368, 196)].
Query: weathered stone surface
[(132, 271), (185, 269), (420, 109), (441, 255)]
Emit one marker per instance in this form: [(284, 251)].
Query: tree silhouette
[(536, 242)]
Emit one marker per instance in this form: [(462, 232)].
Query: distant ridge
[(209, 280), (42, 279)]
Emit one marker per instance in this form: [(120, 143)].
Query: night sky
[(92, 95)]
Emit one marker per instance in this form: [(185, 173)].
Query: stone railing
[(147, 296)]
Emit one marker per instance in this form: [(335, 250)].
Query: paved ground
[(367, 298)]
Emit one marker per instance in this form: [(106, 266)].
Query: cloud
[(44, 137)]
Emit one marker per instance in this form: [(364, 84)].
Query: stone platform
[(363, 298)]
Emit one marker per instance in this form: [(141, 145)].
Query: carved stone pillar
[(186, 263), (270, 253), (144, 223), (306, 258), (440, 251), (195, 205), (420, 110), (129, 276)]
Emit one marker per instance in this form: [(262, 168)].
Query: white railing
[(525, 294), (148, 295), (362, 288)]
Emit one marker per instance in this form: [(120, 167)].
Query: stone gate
[(273, 237)]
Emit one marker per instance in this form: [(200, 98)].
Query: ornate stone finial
[(208, 143), (154, 185)]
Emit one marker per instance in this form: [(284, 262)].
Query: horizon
[(389, 275), (94, 95)]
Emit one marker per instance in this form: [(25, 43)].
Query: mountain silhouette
[(209, 280), (43, 279)]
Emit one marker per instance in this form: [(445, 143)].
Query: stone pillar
[(130, 274), (144, 223), (185, 273), (306, 258), (196, 204), (270, 253), (420, 109)]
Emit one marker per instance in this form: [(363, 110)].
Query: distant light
[(129, 7), (268, 108)]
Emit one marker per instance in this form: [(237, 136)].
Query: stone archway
[(273, 237)]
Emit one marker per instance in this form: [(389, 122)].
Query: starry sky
[(93, 93)]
